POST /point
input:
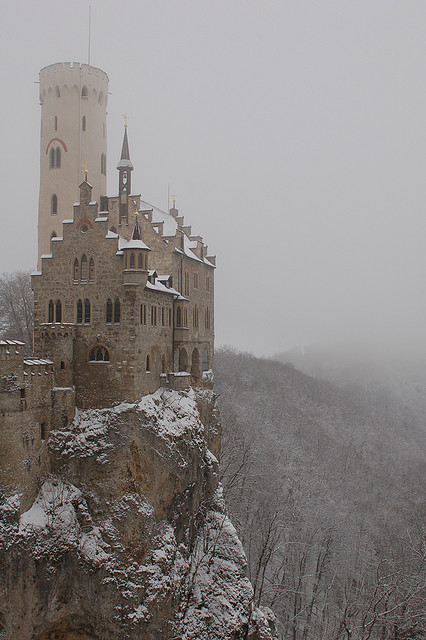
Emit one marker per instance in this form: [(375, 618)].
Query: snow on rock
[(128, 534)]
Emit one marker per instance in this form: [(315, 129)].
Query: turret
[(135, 257), (73, 100)]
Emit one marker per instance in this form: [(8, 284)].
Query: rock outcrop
[(128, 537)]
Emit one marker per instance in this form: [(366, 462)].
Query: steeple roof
[(125, 162)]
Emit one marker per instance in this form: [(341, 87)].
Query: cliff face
[(128, 538)]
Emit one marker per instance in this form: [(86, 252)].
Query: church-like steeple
[(125, 168)]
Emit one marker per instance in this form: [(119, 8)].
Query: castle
[(124, 294)]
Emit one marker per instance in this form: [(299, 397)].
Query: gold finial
[(86, 171), (136, 214), (125, 121)]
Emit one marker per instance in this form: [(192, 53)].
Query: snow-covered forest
[(326, 489)]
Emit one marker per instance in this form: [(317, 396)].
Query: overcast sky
[(292, 133)]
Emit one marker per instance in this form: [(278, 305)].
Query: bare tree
[(16, 308)]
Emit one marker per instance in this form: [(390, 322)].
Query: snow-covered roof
[(158, 286), (170, 228), (131, 244)]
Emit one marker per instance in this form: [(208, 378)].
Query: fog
[(292, 134)]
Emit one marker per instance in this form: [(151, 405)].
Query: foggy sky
[(292, 133)]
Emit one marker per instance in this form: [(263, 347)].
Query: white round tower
[(73, 100)]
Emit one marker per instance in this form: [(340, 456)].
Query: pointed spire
[(136, 235), (125, 162)]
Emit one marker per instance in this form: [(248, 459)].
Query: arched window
[(83, 268), (148, 363), (58, 158), (207, 318), (178, 317), (108, 315), (79, 312), (52, 158), (101, 97), (205, 364), (99, 354), (132, 260), (55, 123), (139, 261), (76, 270), (103, 164), (117, 312), (57, 91), (83, 123), (163, 363), (186, 283), (53, 204), (51, 311), (195, 317), (185, 317), (43, 431), (84, 92), (183, 360), (91, 270), (87, 311), (58, 314)]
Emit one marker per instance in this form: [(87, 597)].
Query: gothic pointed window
[(108, 315), (55, 123), (84, 269), (117, 311), (139, 261), (178, 317), (87, 311), (84, 92), (101, 97), (186, 283), (148, 363), (132, 260), (57, 91), (51, 311), (58, 158), (98, 354), (91, 270), (52, 158), (83, 123), (79, 312), (53, 204), (58, 311), (103, 164), (76, 270)]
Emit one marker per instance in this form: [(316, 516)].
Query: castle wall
[(26, 419)]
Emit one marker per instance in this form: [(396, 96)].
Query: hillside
[(328, 496)]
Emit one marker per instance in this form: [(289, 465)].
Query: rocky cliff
[(128, 537)]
